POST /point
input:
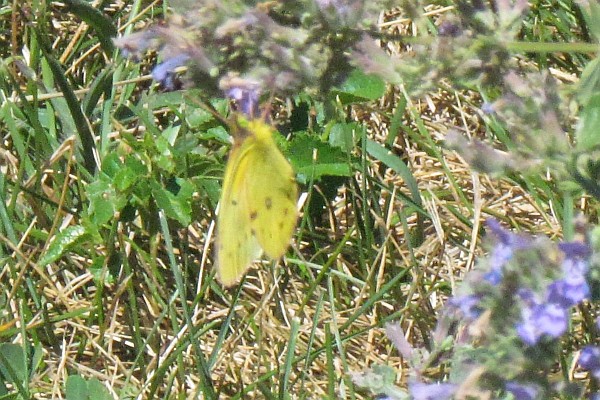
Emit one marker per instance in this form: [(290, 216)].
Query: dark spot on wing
[(234, 202), (268, 203), (281, 225), (286, 211), (253, 232), (253, 215)]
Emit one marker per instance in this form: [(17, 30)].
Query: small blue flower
[(573, 288), (569, 291), (468, 305), (542, 320), (435, 391), (504, 249), (246, 99), (523, 391), (164, 73), (575, 249), (589, 359)]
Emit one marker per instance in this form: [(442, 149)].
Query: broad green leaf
[(97, 391), (176, 206), (312, 158), (112, 164), (62, 242), (360, 87), (104, 201), (13, 365), (77, 388), (344, 136), (126, 177)]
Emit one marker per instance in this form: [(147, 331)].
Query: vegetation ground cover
[(110, 183)]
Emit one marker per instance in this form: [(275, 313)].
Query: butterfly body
[(258, 202)]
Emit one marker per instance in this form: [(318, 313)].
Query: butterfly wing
[(237, 246), (272, 195), (258, 201)]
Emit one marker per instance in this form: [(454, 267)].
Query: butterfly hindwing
[(273, 201)]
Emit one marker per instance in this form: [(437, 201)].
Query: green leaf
[(62, 242), (588, 130), (360, 87), (344, 136), (77, 388), (592, 18), (133, 171), (13, 365), (590, 81), (176, 206), (104, 201), (394, 162), (312, 158), (97, 391), (112, 164), (165, 157)]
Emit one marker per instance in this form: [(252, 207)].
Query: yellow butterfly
[(257, 211)]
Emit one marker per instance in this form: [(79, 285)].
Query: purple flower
[(494, 276), (542, 319), (244, 91), (573, 288), (575, 249), (589, 359), (508, 238), (569, 291), (503, 251), (435, 391), (468, 305), (164, 73), (523, 392), (527, 296)]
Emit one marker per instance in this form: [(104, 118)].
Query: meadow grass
[(109, 187)]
